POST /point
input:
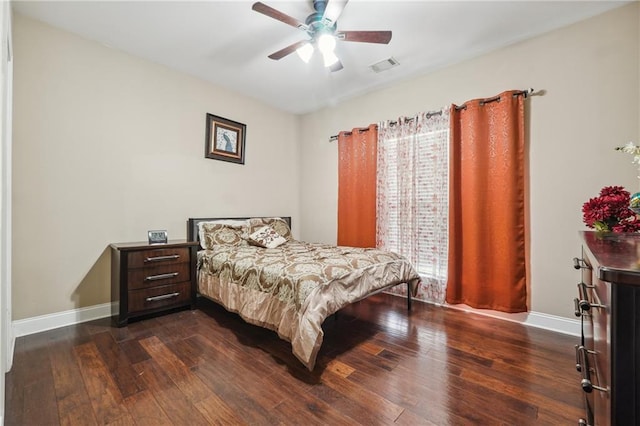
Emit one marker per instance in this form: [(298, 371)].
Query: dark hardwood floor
[(379, 365)]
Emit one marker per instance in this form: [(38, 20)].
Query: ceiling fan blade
[(276, 14), (287, 50), (382, 37), (336, 67), (333, 10)]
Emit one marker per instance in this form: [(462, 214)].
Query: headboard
[(192, 223)]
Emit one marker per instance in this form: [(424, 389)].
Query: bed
[(291, 288)]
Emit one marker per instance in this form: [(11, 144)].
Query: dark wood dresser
[(148, 279), (608, 303)]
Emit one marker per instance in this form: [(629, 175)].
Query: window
[(413, 167)]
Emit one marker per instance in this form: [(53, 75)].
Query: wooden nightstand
[(148, 279)]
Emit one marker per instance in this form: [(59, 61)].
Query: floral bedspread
[(292, 288)]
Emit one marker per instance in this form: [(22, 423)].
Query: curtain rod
[(393, 123), (410, 119), (360, 130), (526, 93)]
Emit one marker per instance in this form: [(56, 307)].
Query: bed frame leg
[(409, 296)]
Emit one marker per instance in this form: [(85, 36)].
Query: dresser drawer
[(159, 297), (158, 275), (159, 256)]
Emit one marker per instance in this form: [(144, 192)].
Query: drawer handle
[(162, 258), (578, 363), (584, 368), (583, 422), (582, 294), (161, 276), (580, 264), (576, 302), (162, 297), (583, 304)]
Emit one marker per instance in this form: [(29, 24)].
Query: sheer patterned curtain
[(413, 205)]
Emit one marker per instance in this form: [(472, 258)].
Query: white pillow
[(267, 237), (277, 223)]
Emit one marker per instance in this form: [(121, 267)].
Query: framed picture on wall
[(224, 139)]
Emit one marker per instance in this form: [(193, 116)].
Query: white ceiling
[(227, 43)]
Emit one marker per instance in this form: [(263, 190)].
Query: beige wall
[(590, 73), (108, 146)]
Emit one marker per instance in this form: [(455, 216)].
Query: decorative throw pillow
[(267, 237), (212, 234), (277, 223)]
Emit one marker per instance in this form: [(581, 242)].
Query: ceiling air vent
[(387, 64)]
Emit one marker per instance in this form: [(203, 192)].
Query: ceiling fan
[(321, 27)]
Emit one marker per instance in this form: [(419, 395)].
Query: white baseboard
[(533, 319), (75, 316), (40, 323), (12, 350)]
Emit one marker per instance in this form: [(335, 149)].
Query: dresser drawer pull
[(582, 366), (583, 304), (162, 258), (161, 276), (578, 311), (578, 362), (583, 422), (162, 297), (580, 264)]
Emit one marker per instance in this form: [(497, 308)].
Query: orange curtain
[(487, 255), (357, 154)]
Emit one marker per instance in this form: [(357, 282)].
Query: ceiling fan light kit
[(326, 43), (305, 52), (321, 27), (330, 59), (326, 46)]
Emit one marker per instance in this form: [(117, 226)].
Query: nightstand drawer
[(159, 256), (150, 279), (158, 276), (159, 297)]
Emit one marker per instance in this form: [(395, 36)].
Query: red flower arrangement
[(610, 211)]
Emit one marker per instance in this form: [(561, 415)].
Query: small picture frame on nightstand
[(158, 236)]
